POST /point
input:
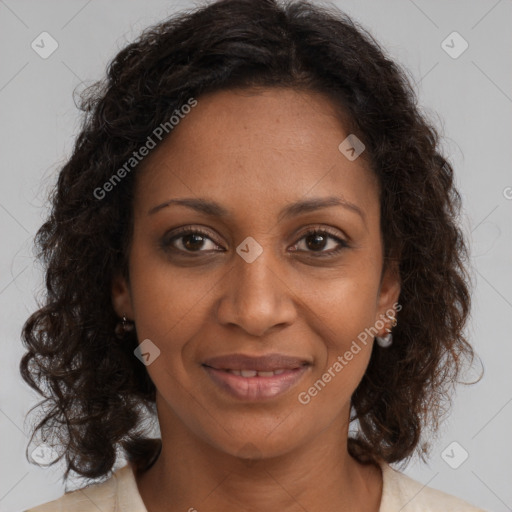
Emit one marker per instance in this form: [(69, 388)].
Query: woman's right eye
[(189, 240)]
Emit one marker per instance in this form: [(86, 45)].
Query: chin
[(263, 440)]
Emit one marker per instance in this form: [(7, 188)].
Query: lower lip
[(256, 388)]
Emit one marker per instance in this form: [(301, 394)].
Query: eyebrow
[(214, 209)]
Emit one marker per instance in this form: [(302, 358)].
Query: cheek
[(347, 300), (344, 312), (343, 315), (169, 303)]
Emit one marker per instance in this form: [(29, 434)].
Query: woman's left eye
[(315, 241)]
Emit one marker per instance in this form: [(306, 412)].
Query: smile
[(256, 377)]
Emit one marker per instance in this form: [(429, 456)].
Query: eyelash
[(182, 232)]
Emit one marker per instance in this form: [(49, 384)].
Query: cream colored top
[(120, 494)]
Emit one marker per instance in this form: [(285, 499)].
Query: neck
[(320, 475)]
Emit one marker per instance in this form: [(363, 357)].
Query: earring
[(123, 327), (386, 340)]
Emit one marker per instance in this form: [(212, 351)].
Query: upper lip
[(266, 363)]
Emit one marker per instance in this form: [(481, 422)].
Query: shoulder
[(400, 492), (119, 492)]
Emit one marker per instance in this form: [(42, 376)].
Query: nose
[(256, 297)]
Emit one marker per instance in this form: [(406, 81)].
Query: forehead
[(256, 147)]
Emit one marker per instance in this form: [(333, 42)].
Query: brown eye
[(193, 241), (315, 241), (190, 240)]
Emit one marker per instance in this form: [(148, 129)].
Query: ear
[(122, 297), (389, 291)]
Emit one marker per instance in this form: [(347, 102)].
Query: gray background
[(469, 98)]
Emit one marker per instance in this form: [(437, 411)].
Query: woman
[(256, 234)]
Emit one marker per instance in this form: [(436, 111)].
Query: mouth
[(255, 378)]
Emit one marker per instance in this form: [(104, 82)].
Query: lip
[(256, 388)]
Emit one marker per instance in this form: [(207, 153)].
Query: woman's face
[(253, 283)]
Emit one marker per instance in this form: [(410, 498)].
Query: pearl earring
[(386, 340)]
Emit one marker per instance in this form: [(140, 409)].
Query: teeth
[(254, 373)]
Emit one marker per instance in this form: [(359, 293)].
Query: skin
[(255, 152)]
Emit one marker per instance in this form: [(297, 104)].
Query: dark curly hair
[(96, 393)]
